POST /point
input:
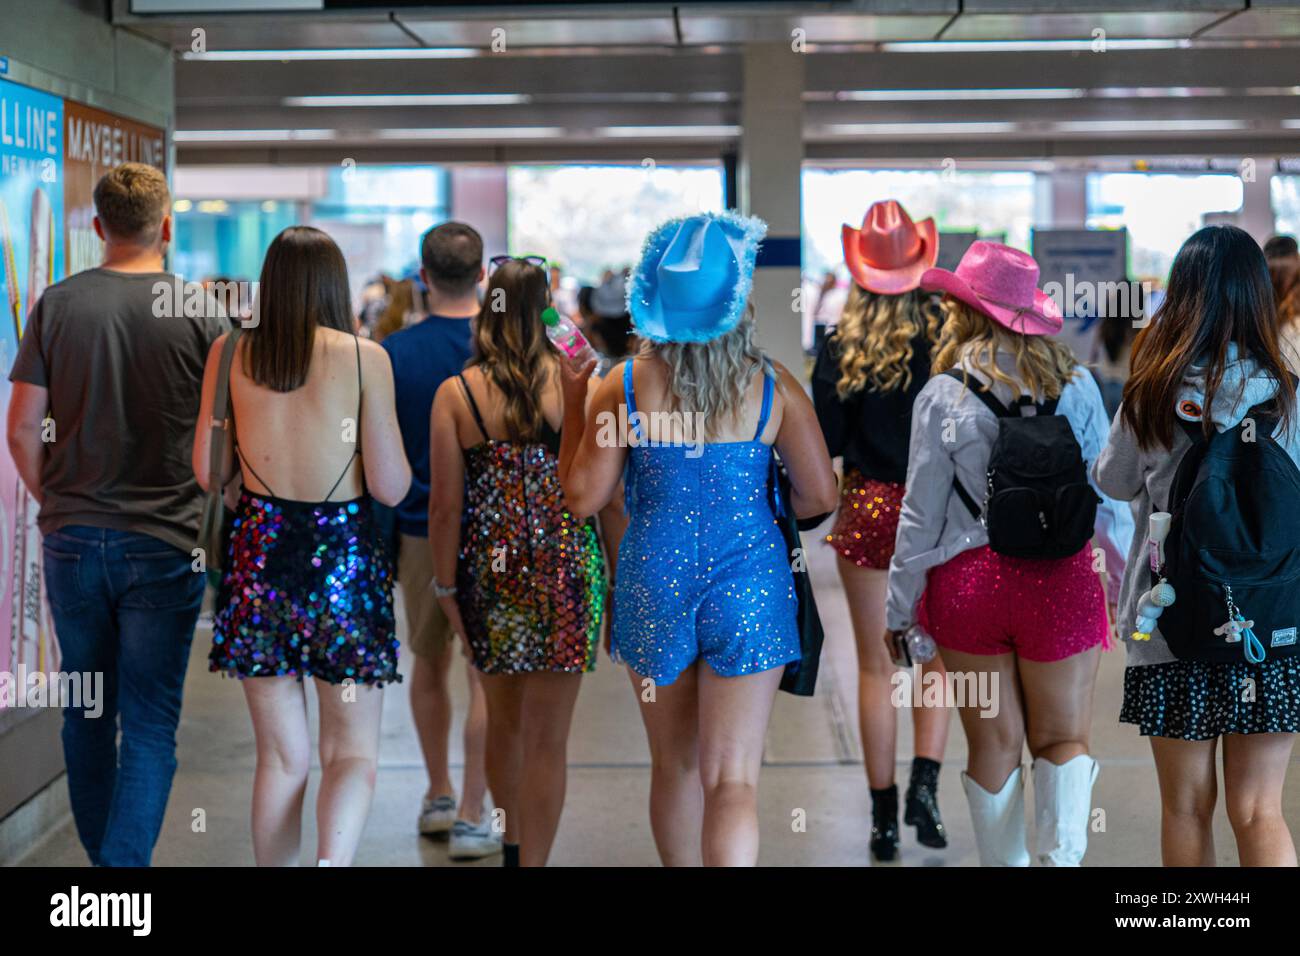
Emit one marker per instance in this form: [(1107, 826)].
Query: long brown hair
[(1218, 294), (304, 284), (510, 344), (1285, 276), (875, 335), (1043, 365)]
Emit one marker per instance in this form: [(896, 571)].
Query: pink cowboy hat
[(890, 252), (1002, 283)]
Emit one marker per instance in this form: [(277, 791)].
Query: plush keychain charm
[(1231, 631), (1149, 607), (1161, 594), (1237, 630)]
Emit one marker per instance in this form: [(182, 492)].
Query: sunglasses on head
[(496, 262)]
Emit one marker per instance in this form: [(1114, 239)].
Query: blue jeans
[(124, 605)]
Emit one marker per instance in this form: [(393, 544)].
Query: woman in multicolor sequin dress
[(520, 577), (868, 373), (307, 584), (705, 608)]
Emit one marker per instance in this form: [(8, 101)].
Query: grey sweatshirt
[(1130, 473)]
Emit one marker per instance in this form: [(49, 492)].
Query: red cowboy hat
[(890, 252)]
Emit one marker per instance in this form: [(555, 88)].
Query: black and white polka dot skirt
[(1193, 700)]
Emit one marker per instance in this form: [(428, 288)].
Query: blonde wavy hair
[(711, 378), (875, 335), (1043, 365)]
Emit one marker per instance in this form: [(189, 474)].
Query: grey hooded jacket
[(1144, 477)]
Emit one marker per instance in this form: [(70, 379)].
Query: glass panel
[(591, 218), (1160, 210), (997, 205), (1285, 192)]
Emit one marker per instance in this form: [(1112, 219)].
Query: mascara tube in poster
[(30, 641), (40, 266), (10, 265)]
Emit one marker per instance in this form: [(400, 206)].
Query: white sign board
[(1074, 261)]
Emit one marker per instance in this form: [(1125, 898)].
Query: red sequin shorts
[(867, 521), (982, 602)]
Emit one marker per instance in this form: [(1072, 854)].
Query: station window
[(1285, 192), (998, 205), (594, 217), (216, 237), (375, 213), (1160, 210)]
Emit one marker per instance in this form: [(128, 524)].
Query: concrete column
[(771, 161), (1068, 192), (1256, 215), (478, 197)]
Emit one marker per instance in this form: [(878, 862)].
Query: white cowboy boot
[(999, 820), (1062, 809)]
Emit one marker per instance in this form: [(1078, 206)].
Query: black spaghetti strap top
[(550, 437), (356, 451)]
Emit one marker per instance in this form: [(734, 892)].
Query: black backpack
[(1233, 546), (1038, 502)]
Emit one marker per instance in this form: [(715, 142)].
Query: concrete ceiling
[(906, 80)]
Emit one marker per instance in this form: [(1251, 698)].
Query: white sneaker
[(473, 841), (437, 815)]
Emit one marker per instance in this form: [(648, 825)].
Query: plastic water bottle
[(920, 645), (566, 336)]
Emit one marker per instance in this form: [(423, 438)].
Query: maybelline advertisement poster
[(52, 151), (31, 258)]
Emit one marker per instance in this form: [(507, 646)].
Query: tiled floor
[(812, 765)]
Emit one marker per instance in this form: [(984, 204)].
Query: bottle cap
[(550, 316)]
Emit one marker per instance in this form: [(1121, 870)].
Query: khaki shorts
[(427, 629)]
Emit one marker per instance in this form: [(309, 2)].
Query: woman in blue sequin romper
[(306, 589), (703, 574)]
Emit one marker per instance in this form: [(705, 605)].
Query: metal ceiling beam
[(1264, 110), (438, 117), (846, 21), (893, 151), (1266, 66), (689, 72)]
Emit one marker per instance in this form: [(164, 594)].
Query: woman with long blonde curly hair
[(1019, 619), (868, 373), (706, 608)]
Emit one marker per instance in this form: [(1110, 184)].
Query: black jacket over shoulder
[(870, 429)]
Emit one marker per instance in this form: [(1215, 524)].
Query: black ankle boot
[(922, 809), (884, 823)]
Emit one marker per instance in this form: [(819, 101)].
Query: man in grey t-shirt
[(101, 420)]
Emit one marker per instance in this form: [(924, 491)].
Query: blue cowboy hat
[(694, 277)]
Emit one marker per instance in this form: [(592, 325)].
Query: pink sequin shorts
[(981, 602), (867, 520)]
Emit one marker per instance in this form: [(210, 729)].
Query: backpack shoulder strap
[(1192, 430), (980, 391), (1188, 465), (222, 413), (999, 410)]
